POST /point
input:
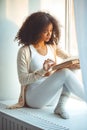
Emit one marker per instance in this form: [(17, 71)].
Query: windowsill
[(76, 109)]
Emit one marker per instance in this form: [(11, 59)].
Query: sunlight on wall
[(12, 15), (17, 10), (56, 8)]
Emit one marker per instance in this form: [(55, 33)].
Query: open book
[(71, 63)]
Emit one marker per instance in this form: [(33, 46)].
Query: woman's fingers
[(45, 66), (48, 64)]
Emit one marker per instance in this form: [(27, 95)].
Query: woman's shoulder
[(53, 46), (24, 50)]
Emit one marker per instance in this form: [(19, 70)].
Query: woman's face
[(47, 33)]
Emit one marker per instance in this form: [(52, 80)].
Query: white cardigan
[(23, 63)]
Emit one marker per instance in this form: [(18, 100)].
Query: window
[(70, 32)]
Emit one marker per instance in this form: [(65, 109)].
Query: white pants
[(40, 95)]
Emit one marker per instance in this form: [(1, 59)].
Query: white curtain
[(80, 10)]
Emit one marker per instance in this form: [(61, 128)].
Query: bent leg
[(43, 93), (74, 85)]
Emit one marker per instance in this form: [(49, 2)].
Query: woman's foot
[(61, 112), (60, 108), (17, 105), (20, 103)]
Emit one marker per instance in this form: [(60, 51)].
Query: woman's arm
[(62, 53), (23, 66)]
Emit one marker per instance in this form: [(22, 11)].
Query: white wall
[(10, 14)]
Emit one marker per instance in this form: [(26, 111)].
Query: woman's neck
[(39, 45), (41, 48)]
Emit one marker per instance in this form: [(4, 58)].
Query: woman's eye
[(48, 31), (45, 32)]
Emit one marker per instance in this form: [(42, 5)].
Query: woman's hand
[(21, 100), (48, 64)]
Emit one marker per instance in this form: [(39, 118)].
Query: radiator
[(26, 119), (9, 123)]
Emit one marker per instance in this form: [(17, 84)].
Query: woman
[(39, 36)]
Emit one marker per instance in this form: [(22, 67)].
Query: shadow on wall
[(9, 86)]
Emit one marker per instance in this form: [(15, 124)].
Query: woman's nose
[(49, 33)]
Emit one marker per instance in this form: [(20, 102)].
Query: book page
[(71, 62)]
